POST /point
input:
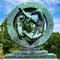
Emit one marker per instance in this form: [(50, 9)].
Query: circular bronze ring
[(41, 40)]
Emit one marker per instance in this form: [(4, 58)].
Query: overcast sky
[(6, 6)]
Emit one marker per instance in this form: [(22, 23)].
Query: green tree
[(52, 45), (5, 39)]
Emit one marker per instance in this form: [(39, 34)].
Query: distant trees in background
[(52, 45)]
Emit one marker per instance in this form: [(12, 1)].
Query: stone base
[(31, 53)]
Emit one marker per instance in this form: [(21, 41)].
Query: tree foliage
[(8, 44), (52, 45)]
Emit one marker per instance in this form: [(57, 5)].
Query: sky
[(6, 6)]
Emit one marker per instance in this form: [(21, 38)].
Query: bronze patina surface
[(30, 21), (25, 12)]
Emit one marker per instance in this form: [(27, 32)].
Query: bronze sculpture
[(22, 15)]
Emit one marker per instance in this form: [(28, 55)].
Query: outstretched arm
[(28, 15), (19, 26), (41, 18)]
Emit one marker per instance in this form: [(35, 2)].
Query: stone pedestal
[(31, 53)]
